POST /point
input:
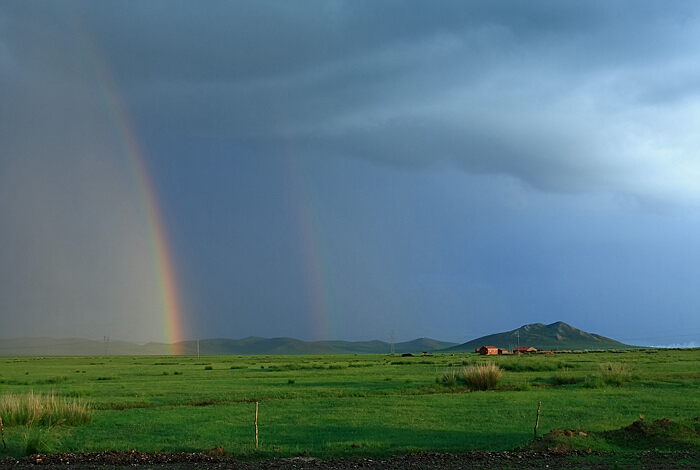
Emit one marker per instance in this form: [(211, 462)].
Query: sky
[(351, 170)]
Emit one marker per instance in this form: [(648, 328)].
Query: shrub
[(208, 368), (43, 410), (482, 376)]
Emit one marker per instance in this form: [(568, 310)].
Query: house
[(487, 351), (524, 349), (502, 351)]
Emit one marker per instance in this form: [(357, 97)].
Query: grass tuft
[(41, 441), (563, 377), (616, 373), (449, 377), (31, 409), (593, 382), (482, 376)]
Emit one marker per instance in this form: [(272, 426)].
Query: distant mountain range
[(209, 347), (558, 335)]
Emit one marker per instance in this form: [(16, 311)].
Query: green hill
[(209, 347), (255, 345), (556, 336)]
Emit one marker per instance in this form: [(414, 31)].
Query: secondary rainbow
[(318, 278)]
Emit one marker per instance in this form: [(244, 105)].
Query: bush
[(482, 376), (43, 410)]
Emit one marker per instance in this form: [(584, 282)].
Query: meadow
[(348, 405)]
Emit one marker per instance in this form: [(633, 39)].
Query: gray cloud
[(567, 98)]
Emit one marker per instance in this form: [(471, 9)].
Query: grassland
[(353, 405)]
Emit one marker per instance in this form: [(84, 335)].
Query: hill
[(256, 345), (220, 346), (556, 336)]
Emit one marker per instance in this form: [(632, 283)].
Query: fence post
[(2, 431)]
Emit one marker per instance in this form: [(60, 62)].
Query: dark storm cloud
[(561, 95), (454, 166)]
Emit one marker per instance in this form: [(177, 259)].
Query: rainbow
[(318, 286), (163, 261), (159, 242)]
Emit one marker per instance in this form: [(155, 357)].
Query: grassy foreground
[(353, 405)]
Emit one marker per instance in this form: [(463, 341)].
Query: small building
[(487, 351), (502, 352), (524, 349)]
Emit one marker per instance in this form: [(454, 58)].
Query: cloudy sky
[(342, 170)]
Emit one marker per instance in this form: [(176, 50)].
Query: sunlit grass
[(30, 409), (386, 404), (616, 373), (482, 376)]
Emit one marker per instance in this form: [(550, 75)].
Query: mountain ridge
[(555, 336), (251, 345)]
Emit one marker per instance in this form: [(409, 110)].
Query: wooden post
[(256, 424), (2, 430), (537, 423)]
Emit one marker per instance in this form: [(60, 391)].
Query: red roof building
[(487, 351)]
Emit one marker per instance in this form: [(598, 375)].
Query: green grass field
[(352, 405)]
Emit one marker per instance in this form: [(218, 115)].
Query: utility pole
[(106, 340), (392, 342), (197, 347)]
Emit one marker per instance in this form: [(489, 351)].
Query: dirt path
[(420, 461)]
